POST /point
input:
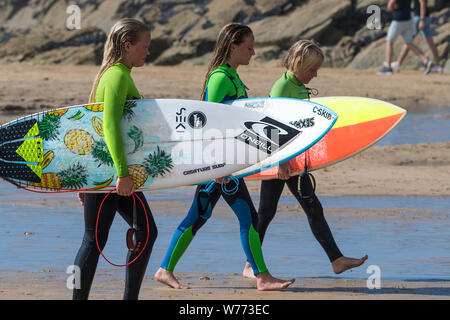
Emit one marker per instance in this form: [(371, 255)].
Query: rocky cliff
[(184, 31)]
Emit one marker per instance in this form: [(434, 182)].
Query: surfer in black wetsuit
[(302, 63)]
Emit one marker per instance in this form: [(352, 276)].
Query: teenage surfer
[(302, 63), (126, 47), (234, 47)]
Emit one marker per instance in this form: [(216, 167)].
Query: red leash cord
[(98, 218), (148, 230)]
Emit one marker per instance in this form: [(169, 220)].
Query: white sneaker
[(437, 69), (428, 67), (395, 66)]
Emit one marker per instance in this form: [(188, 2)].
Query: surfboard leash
[(306, 182), (229, 192), (132, 245)]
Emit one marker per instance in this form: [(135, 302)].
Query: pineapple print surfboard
[(168, 143)]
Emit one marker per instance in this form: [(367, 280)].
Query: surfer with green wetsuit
[(234, 47), (126, 47), (302, 62)]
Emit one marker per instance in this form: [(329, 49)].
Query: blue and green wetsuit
[(223, 84)]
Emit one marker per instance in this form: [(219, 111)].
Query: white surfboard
[(311, 119), (168, 143)]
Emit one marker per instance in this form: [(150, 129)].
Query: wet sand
[(406, 170), (220, 287)]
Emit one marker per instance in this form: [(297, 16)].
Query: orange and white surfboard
[(361, 123)]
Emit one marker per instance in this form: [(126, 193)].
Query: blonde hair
[(124, 30), (302, 55), (232, 33)]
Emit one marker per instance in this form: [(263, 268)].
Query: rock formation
[(184, 31)]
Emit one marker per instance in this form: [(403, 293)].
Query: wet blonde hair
[(232, 33), (124, 30), (302, 55)]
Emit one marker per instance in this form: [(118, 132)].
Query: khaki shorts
[(404, 28)]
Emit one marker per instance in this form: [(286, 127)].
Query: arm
[(219, 86), (114, 99), (392, 5), (423, 8), (281, 88)]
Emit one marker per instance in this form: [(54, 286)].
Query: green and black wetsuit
[(223, 84), (289, 86), (114, 88)]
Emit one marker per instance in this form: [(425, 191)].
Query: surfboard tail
[(18, 130), (21, 151)]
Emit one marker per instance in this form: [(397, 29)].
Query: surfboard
[(361, 123), (313, 120), (167, 142)]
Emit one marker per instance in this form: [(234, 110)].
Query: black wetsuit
[(289, 86), (270, 194), (88, 253)]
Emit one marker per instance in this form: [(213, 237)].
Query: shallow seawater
[(420, 126), (37, 238)]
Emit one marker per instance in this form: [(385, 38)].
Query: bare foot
[(167, 277), (265, 282), (343, 263), (248, 271)]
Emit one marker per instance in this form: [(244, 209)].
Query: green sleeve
[(219, 87), (115, 93)]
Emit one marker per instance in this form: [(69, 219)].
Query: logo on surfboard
[(303, 123), (197, 119), (267, 134)]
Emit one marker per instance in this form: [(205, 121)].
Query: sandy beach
[(30, 286), (401, 170)]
